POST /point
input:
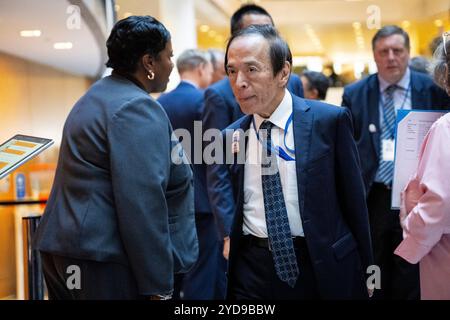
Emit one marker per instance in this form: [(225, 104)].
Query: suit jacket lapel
[(374, 112), (302, 120), (238, 168)]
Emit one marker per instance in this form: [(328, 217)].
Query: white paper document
[(412, 127)]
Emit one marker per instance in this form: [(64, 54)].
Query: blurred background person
[(419, 64), (184, 106), (425, 210), (120, 209), (434, 44), (217, 60), (374, 102), (315, 85)]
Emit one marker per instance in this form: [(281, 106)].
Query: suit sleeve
[(220, 190), (141, 174), (351, 189), (217, 116), (424, 225), (181, 207)]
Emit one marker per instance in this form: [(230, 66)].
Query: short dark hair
[(133, 37), (388, 31), (318, 81), (278, 48), (236, 18)]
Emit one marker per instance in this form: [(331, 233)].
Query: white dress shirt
[(254, 213)]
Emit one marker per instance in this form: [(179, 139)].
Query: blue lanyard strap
[(391, 127), (277, 150), (286, 127)]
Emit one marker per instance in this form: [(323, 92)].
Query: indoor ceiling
[(56, 22), (330, 29), (327, 28)]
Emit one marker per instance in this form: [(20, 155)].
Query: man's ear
[(201, 69), (285, 73)]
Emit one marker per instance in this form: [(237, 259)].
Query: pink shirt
[(425, 214)]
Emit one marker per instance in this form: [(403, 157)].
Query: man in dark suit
[(373, 103), (300, 228), (221, 108), (184, 106)]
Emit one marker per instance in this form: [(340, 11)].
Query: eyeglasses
[(444, 40)]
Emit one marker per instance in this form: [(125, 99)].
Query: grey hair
[(440, 66), (216, 55), (191, 59)]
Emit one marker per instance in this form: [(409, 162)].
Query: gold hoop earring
[(151, 75)]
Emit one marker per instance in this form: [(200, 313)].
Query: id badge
[(388, 147)]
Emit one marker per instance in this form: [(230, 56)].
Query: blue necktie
[(386, 168), (277, 222)]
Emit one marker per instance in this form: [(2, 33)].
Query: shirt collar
[(281, 114), (403, 83)]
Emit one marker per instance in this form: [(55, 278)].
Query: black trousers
[(253, 276), (99, 281), (399, 279), (207, 278)]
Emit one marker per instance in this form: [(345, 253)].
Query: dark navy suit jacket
[(183, 106), (117, 196), (362, 98), (330, 191)]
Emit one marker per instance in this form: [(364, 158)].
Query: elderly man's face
[(392, 57), (249, 69)]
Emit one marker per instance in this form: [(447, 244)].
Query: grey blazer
[(117, 196)]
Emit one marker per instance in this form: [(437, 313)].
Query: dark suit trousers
[(207, 278), (399, 279), (254, 277), (99, 281)]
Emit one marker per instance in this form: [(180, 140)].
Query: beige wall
[(34, 100)]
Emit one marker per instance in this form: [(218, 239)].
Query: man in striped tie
[(374, 102), (300, 227)]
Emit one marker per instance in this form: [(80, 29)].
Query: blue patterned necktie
[(386, 168), (277, 222)]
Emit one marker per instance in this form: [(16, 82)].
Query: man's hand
[(226, 247), (159, 297), (370, 292)]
